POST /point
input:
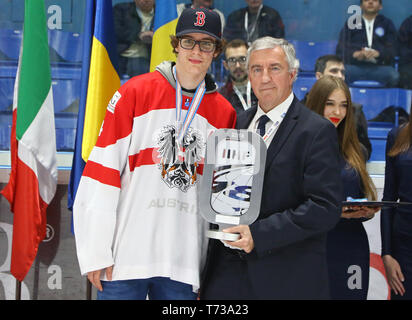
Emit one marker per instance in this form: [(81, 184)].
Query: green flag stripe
[(35, 79)]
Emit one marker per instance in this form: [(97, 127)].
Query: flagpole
[(18, 290)]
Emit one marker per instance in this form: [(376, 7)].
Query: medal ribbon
[(273, 128), (248, 34), (248, 96), (182, 127)]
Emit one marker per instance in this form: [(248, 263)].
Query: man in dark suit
[(282, 254)]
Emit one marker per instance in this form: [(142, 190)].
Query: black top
[(405, 41), (398, 186)]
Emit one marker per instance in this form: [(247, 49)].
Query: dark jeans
[(133, 66), (383, 74), (157, 288)]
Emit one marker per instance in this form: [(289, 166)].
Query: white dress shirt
[(276, 114), (369, 30)]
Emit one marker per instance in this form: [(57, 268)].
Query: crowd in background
[(374, 50)]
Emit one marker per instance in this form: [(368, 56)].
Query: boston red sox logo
[(200, 19)]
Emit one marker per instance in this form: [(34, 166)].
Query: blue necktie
[(262, 124)]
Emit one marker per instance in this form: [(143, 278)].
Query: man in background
[(237, 88), (133, 23), (405, 53), (369, 52), (254, 21)]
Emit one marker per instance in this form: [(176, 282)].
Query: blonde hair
[(348, 140)]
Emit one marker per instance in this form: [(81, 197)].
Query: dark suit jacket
[(300, 204)]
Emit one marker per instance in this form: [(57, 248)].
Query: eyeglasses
[(189, 44), (232, 61)]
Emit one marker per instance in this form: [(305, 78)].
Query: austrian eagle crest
[(179, 162)]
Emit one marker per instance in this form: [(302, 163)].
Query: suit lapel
[(244, 119), (285, 128)]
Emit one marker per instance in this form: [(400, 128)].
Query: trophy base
[(222, 235)]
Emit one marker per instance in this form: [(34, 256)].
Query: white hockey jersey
[(135, 207)]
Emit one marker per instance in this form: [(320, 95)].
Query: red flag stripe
[(28, 229)]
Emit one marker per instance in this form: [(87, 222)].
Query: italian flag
[(33, 177)]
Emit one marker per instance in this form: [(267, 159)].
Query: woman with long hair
[(347, 244), (396, 223)]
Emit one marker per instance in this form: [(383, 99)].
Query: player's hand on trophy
[(245, 242)]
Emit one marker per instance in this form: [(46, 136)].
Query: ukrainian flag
[(164, 25), (99, 81)]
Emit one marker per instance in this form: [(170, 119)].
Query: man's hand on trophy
[(245, 242)]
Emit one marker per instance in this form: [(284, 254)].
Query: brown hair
[(348, 139), (235, 43), (174, 41), (404, 139)]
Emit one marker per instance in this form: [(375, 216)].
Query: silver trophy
[(232, 182)]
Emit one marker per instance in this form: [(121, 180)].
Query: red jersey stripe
[(150, 156), (147, 156), (102, 174)]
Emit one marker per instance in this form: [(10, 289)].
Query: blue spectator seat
[(65, 93), (68, 45), (66, 72), (378, 133), (8, 70), (10, 41), (375, 100), (381, 99), (6, 93), (7, 78), (405, 99), (65, 130), (218, 71), (302, 86), (5, 132), (124, 78), (5, 129), (309, 51), (3, 56), (366, 84)]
